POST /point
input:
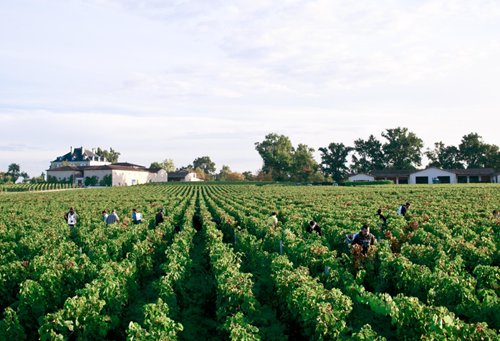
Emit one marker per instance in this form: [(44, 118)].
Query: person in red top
[(364, 238)]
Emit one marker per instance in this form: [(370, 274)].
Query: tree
[(167, 165), (304, 166), (14, 170), (334, 159), (38, 180), (223, 174), (235, 176), (112, 156), (277, 156), (107, 180), (402, 149), (248, 176), (442, 156), (473, 151), (205, 164), (91, 181), (368, 155)]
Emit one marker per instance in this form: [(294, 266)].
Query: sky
[(183, 79)]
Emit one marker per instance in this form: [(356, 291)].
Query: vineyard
[(431, 275)]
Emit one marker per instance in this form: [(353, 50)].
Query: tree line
[(399, 149)]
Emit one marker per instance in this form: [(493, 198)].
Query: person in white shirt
[(105, 215), (137, 217), (70, 217)]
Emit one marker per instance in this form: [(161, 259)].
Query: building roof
[(179, 174), (354, 174), (126, 164), (65, 169), (78, 155), (473, 171), (113, 166), (393, 172)]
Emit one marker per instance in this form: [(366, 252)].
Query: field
[(434, 275)]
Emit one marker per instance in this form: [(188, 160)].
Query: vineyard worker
[(105, 215), (403, 209), (364, 238), (495, 214), (313, 226), (160, 217), (273, 220), (70, 217), (137, 217), (112, 218), (381, 217)]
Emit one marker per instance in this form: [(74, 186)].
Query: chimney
[(93, 150), (83, 150), (71, 149)]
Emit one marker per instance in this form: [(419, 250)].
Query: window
[(444, 179), (72, 164), (403, 181), (422, 179), (474, 179), (82, 164), (462, 179), (58, 165)]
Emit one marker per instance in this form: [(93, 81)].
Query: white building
[(429, 176), (122, 174), (361, 177), (79, 157)]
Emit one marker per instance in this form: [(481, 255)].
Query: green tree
[(205, 164), (112, 156), (167, 165), (304, 166), (402, 149), (91, 181), (38, 180), (442, 156), (107, 180), (223, 174), (368, 155), (14, 170), (277, 156), (249, 176), (334, 160), (475, 153)]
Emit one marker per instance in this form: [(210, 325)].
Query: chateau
[(81, 163)]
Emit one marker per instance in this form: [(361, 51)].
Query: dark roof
[(473, 171), (393, 172), (65, 168), (353, 174), (126, 164), (154, 170), (179, 174), (113, 166), (77, 156)]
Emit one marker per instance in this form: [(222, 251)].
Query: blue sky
[(182, 79)]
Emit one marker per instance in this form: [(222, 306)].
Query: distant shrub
[(368, 183)]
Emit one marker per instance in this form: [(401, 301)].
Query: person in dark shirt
[(313, 226), (381, 217), (403, 209), (364, 238), (197, 224), (496, 214), (160, 217)]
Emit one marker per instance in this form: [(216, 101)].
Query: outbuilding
[(360, 177)]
